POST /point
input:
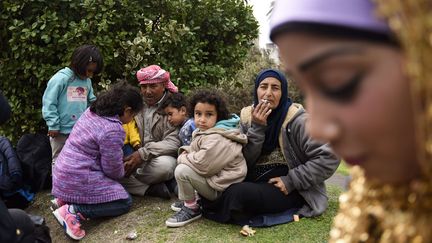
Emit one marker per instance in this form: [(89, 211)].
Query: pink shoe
[(71, 222), (56, 203)]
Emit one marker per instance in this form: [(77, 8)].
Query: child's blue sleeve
[(50, 101)]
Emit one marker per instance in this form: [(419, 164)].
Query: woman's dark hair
[(175, 100), (211, 97), (83, 56), (114, 100)]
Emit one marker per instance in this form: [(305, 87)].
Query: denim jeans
[(108, 209)]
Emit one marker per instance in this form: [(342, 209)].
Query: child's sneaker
[(183, 217), (56, 203), (71, 222)]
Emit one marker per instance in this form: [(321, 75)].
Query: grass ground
[(147, 217), (343, 169)]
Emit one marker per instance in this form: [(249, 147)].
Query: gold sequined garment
[(373, 212)]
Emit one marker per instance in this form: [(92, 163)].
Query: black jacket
[(10, 167), (7, 225)]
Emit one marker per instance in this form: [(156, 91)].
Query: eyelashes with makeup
[(344, 93)]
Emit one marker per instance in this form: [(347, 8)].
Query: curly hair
[(211, 97), (175, 100), (83, 56), (114, 100)]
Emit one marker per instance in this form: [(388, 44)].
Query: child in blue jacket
[(68, 94), (175, 107)]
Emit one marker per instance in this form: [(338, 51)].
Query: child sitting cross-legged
[(212, 162), (87, 172)]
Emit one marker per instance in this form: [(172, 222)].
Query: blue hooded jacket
[(230, 123), (65, 100)]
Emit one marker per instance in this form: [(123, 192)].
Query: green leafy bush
[(199, 41)]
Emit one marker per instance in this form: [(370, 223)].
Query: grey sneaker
[(183, 217), (176, 206)]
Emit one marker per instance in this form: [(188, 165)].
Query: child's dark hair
[(211, 97), (83, 56), (114, 100), (175, 100)]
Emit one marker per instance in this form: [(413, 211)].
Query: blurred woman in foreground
[(369, 96)]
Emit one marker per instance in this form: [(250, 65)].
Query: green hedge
[(198, 41)]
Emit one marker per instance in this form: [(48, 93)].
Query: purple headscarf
[(354, 14)]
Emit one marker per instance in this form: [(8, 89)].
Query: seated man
[(153, 164)]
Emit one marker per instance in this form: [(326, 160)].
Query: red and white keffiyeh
[(155, 74)]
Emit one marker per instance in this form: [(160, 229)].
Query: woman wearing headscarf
[(369, 96), (286, 168)]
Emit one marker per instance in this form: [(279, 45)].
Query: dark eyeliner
[(346, 92)]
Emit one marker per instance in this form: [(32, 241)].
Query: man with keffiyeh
[(149, 168)]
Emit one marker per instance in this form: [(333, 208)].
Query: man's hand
[(131, 163), (260, 113), (277, 182), (53, 133)]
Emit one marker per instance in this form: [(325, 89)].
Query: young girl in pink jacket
[(86, 174)]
